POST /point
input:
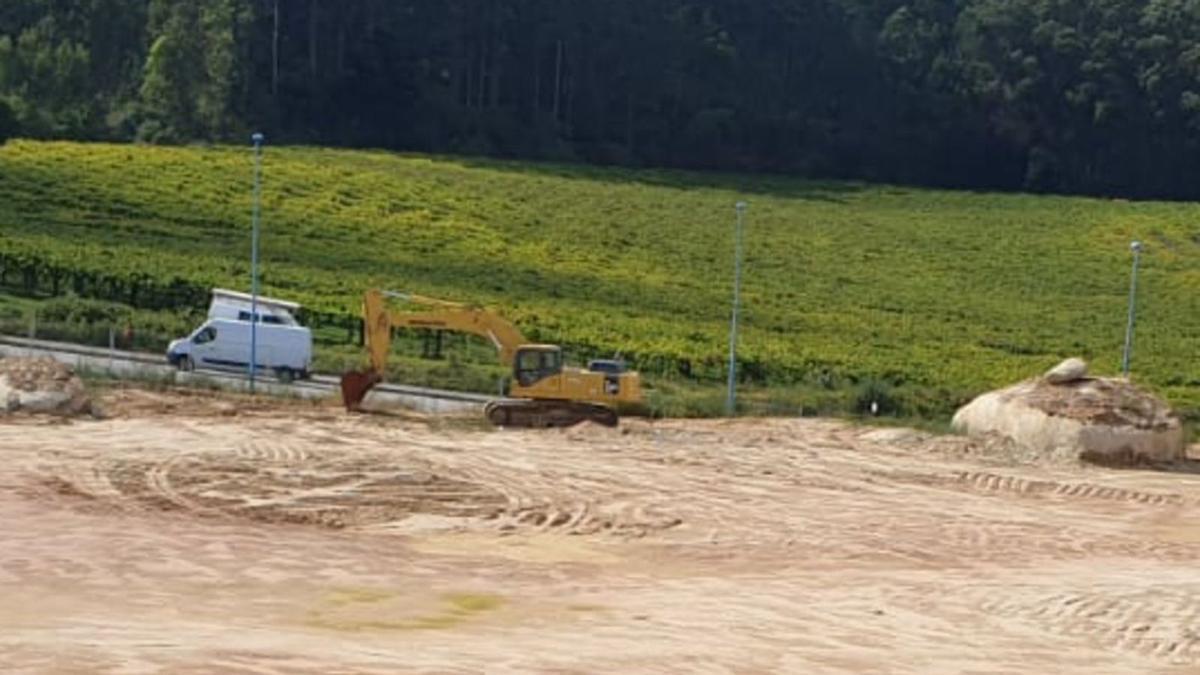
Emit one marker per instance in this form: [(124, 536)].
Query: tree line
[(1087, 96)]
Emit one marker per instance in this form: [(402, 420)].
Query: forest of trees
[(1090, 96)]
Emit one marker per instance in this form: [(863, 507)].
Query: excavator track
[(547, 413)]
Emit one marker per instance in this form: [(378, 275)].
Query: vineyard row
[(101, 275)]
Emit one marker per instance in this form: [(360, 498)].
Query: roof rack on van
[(225, 294)]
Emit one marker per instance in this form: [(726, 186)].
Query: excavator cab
[(534, 363)]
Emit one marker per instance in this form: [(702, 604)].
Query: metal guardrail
[(320, 385)]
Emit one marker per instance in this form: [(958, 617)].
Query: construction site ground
[(197, 532)]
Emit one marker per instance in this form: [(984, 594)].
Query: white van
[(222, 342)]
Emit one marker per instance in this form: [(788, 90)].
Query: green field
[(930, 296)]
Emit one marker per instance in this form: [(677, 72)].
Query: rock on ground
[(42, 385), (1067, 371), (1100, 420)]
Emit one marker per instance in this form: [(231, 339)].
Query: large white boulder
[(1101, 420)]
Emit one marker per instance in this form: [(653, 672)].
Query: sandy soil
[(292, 538)]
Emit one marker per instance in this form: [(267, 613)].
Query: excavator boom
[(379, 321), (451, 316)]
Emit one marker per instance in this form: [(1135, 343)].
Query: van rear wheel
[(285, 375)]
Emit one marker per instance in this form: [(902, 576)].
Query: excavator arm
[(449, 317), (378, 322)]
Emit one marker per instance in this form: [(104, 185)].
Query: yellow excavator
[(543, 392)]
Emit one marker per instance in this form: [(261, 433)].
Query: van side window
[(263, 318), (207, 335)]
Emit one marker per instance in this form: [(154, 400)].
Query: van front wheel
[(186, 364)]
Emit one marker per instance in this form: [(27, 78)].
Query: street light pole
[(257, 139), (731, 396), (1136, 247)]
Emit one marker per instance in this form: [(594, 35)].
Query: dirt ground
[(192, 533)]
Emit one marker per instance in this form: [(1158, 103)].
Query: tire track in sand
[(994, 483), (1160, 623)]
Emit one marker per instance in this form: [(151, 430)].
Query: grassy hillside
[(950, 293)]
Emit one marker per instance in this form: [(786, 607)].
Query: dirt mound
[(1101, 420), (33, 385)]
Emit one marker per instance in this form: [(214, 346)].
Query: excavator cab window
[(533, 365)]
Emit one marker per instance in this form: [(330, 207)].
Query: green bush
[(89, 321), (876, 397)]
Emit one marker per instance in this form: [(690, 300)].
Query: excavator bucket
[(355, 385)]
